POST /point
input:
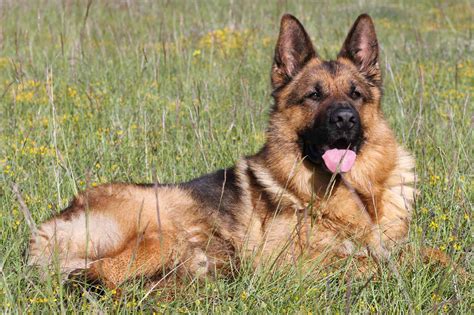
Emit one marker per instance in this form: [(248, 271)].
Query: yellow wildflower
[(434, 225), (71, 92), (435, 298), (434, 179)]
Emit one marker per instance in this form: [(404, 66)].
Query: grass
[(118, 90)]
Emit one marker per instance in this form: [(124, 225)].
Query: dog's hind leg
[(143, 257)]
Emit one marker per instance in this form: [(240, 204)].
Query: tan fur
[(284, 206)]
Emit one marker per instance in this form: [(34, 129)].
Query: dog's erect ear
[(362, 48), (293, 50)]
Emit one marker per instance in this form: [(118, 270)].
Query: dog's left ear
[(362, 48)]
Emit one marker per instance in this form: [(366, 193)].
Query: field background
[(116, 90)]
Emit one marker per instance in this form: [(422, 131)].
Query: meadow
[(99, 91)]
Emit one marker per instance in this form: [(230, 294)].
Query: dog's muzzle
[(340, 128)]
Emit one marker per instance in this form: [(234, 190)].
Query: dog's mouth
[(337, 157)]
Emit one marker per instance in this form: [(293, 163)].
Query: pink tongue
[(339, 160)]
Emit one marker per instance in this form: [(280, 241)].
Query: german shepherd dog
[(331, 181)]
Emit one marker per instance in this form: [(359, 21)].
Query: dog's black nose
[(343, 117)]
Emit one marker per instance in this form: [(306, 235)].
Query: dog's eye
[(316, 95), (354, 93)]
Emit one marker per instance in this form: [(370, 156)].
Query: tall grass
[(103, 91)]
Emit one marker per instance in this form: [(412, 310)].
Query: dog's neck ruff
[(279, 193)]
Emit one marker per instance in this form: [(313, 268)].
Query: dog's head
[(325, 105)]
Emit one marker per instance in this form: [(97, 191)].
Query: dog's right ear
[(293, 50)]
